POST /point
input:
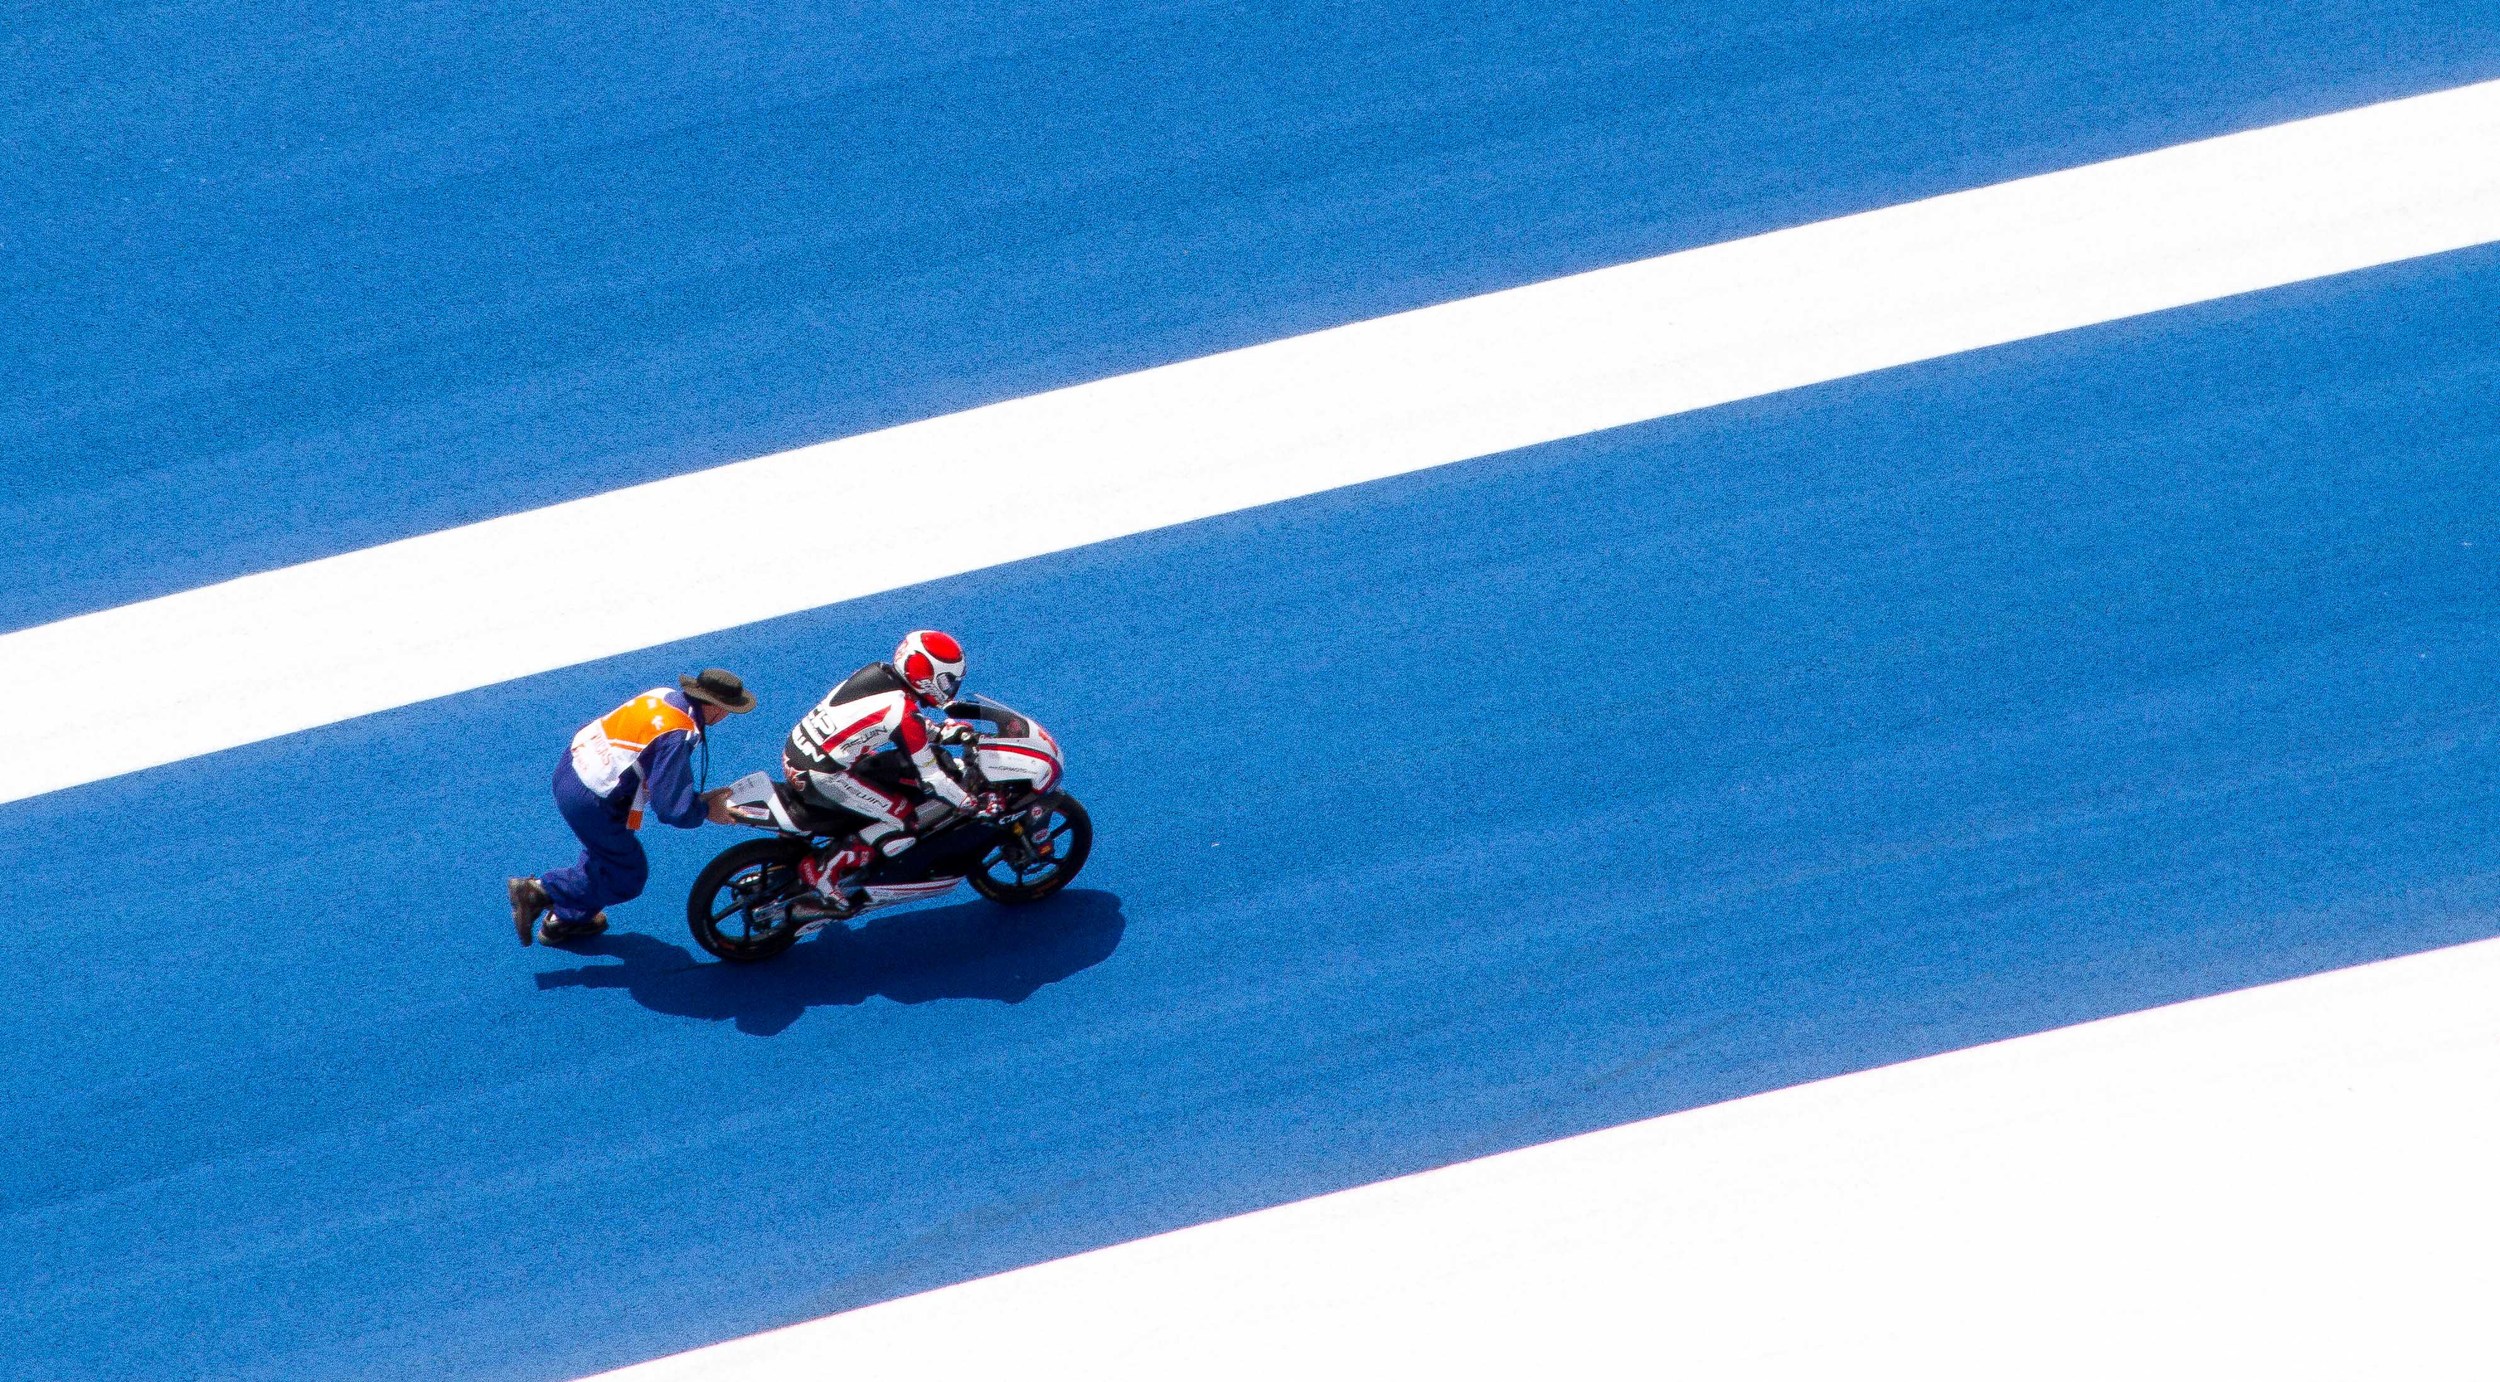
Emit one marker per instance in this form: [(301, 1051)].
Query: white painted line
[(2289, 1182), (450, 611)]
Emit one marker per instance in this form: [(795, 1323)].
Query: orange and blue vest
[(641, 755)]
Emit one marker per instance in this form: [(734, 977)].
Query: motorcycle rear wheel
[(1004, 878), (721, 908)]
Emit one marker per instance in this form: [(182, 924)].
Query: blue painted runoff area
[(288, 279), (1441, 816)]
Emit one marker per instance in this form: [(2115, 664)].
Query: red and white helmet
[(931, 663)]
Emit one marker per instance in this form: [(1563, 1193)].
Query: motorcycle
[(750, 903)]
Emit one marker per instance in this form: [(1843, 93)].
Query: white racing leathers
[(834, 741)]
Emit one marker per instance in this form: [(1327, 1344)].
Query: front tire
[(1015, 871), (738, 908)]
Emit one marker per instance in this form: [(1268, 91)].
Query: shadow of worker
[(971, 950)]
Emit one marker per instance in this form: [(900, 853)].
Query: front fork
[(1031, 827)]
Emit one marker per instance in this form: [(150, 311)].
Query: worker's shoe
[(529, 899), (558, 931)]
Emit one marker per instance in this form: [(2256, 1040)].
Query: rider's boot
[(558, 931), (823, 874)]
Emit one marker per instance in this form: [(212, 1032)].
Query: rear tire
[(999, 878), (721, 907)]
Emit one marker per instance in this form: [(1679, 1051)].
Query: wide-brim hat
[(713, 686)]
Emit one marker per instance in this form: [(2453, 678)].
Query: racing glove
[(956, 732)]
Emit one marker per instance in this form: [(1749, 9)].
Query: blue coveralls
[(613, 867)]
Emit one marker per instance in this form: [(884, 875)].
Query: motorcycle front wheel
[(739, 907), (1043, 849)]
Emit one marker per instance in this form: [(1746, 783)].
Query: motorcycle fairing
[(1016, 748), (880, 894)]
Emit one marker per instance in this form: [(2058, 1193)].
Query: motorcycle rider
[(832, 757)]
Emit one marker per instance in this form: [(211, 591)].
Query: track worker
[(638, 756)]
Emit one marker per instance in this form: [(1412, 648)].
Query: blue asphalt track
[(1439, 816)]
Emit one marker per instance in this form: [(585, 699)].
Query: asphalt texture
[(1437, 816)]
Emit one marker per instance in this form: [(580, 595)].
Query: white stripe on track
[(450, 611), (2287, 1182)]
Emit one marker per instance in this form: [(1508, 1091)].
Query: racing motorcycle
[(750, 903)]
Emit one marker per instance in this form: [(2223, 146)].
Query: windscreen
[(1001, 721)]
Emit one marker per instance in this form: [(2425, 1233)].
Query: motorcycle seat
[(797, 813)]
